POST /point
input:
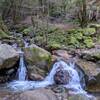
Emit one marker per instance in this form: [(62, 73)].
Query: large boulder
[(8, 56), (38, 94), (38, 60), (44, 94), (92, 73)]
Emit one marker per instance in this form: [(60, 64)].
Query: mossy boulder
[(38, 57)]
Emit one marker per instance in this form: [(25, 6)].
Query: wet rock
[(8, 56), (62, 77), (38, 59), (93, 88), (4, 79), (91, 71)]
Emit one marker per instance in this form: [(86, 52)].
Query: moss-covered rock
[(36, 56)]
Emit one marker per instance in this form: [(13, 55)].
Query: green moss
[(3, 34), (96, 55), (74, 38), (95, 25), (3, 27), (88, 42), (89, 31), (78, 35), (39, 40), (53, 45), (81, 38), (27, 31)]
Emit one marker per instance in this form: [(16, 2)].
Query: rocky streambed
[(39, 63)]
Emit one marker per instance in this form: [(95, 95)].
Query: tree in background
[(11, 9), (82, 13)]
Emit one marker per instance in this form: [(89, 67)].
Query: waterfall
[(73, 85), (22, 68)]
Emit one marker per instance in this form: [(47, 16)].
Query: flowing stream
[(21, 84)]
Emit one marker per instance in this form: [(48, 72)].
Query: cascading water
[(22, 68), (73, 85)]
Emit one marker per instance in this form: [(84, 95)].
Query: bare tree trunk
[(83, 13)]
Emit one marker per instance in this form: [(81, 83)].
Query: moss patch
[(3, 34)]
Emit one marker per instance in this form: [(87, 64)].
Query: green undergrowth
[(56, 38)]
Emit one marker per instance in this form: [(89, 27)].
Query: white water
[(73, 85), (22, 68), (26, 43)]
